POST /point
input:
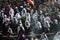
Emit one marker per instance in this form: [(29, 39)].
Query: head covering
[(21, 6), (16, 7)]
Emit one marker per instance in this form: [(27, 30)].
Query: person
[(9, 31), (23, 12), (11, 12), (28, 17), (6, 25), (17, 17), (20, 25), (46, 25), (4, 18), (21, 31), (44, 36), (16, 10), (47, 18), (38, 27), (34, 16)]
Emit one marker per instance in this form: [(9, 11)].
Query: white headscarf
[(17, 16)]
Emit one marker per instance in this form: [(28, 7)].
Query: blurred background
[(29, 19)]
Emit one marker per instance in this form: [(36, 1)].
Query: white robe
[(46, 23), (38, 25), (28, 17), (11, 12), (17, 16), (48, 19), (20, 26), (4, 18), (35, 16), (23, 12)]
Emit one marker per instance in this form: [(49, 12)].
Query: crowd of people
[(26, 18)]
